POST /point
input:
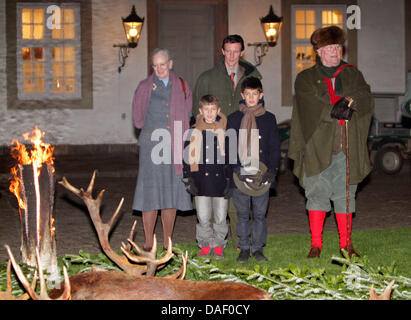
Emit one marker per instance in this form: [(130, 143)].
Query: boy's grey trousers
[(211, 232)]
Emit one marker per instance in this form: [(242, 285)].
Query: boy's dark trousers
[(259, 224)]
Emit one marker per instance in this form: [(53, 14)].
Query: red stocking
[(316, 226), (342, 228)]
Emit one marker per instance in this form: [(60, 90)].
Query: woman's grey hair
[(161, 50)]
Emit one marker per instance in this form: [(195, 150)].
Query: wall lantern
[(271, 25), (133, 25)]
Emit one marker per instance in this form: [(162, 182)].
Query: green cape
[(313, 130)]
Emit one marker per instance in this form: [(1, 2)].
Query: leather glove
[(268, 177), (228, 191), (190, 186), (229, 194), (341, 110)]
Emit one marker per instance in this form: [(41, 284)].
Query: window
[(34, 49), (305, 20), (48, 51)]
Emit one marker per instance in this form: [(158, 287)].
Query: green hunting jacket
[(313, 130), (217, 82)]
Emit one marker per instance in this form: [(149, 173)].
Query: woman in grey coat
[(161, 108)]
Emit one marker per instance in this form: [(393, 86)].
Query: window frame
[(84, 95), (47, 43)]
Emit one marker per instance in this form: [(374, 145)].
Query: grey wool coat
[(159, 184)]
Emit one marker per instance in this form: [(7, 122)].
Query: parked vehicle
[(390, 144), (390, 141)]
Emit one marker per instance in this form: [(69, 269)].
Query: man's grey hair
[(161, 50)]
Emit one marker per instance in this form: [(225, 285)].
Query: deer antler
[(43, 288), (8, 295), (385, 296), (180, 274), (103, 230), (148, 257)]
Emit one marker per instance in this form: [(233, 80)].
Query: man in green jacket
[(224, 82), (329, 96)]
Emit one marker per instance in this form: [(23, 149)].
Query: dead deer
[(131, 284), (385, 296), (115, 285)]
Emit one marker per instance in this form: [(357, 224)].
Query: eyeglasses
[(331, 47)]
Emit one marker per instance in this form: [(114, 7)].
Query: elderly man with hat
[(330, 96)]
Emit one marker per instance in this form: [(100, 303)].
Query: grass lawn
[(381, 247), (384, 254)]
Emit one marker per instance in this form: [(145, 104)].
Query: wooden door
[(192, 30), (187, 31)]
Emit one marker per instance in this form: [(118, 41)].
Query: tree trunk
[(37, 228)]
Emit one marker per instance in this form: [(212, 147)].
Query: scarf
[(196, 139), (329, 72), (249, 145)]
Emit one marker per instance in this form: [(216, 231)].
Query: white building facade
[(103, 114)]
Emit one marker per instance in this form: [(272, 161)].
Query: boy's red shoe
[(218, 252), (204, 252)]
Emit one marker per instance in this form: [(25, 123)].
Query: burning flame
[(52, 227), (41, 152), (38, 154)]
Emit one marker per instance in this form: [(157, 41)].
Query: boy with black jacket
[(205, 176), (257, 132)]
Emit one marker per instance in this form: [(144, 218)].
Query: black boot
[(314, 252)]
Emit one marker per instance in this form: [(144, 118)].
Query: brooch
[(154, 86)]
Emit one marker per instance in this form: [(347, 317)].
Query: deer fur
[(99, 286)]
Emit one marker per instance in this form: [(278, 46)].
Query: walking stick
[(347, 178)]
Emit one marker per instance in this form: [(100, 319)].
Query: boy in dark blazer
[(205, 176), (257, 133)]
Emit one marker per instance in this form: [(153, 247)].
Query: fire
[(15, 187), (38, 154), (52, 227)]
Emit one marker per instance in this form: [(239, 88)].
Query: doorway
[(192, 30)]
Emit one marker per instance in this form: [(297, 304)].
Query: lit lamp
[(271, 24), (132, 27)]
